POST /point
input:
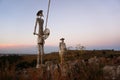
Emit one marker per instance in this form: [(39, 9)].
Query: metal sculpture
[(62, 49), (42, 34)]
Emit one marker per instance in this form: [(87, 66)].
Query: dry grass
[(75, 68)]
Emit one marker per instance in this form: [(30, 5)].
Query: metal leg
[(61, 58), (38, 56), (42, 53)]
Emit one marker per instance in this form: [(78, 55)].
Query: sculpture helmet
[(40, 13)]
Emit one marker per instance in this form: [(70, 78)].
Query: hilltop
[(84, 65)]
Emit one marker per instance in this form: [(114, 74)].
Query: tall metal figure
[(40, 34), (62, 49)]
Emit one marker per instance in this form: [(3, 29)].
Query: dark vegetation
[(11, 65)]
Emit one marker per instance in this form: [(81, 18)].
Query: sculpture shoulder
[(39, 19)]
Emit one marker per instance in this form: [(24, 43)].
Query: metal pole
[(47, 13)]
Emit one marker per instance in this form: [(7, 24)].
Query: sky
[(91, 23)]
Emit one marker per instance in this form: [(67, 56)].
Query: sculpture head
[(40, 13), (62, 39)]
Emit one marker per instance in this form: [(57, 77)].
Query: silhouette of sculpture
[(40, 34), (62, 49)]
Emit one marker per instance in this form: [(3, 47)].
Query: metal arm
[(35, 27)]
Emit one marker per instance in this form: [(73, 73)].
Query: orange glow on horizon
[(13, 45), (20, 45)]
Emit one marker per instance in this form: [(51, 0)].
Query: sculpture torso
[(40, 22), (62, 46)]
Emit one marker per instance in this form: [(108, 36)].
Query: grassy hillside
[(12, 65)]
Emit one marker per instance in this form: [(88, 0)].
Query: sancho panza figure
[(40, 33), (62, 49)]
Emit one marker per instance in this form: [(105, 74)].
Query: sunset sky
[(94, 24)]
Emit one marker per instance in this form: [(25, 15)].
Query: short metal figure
[(40, 42), (62, 49)]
